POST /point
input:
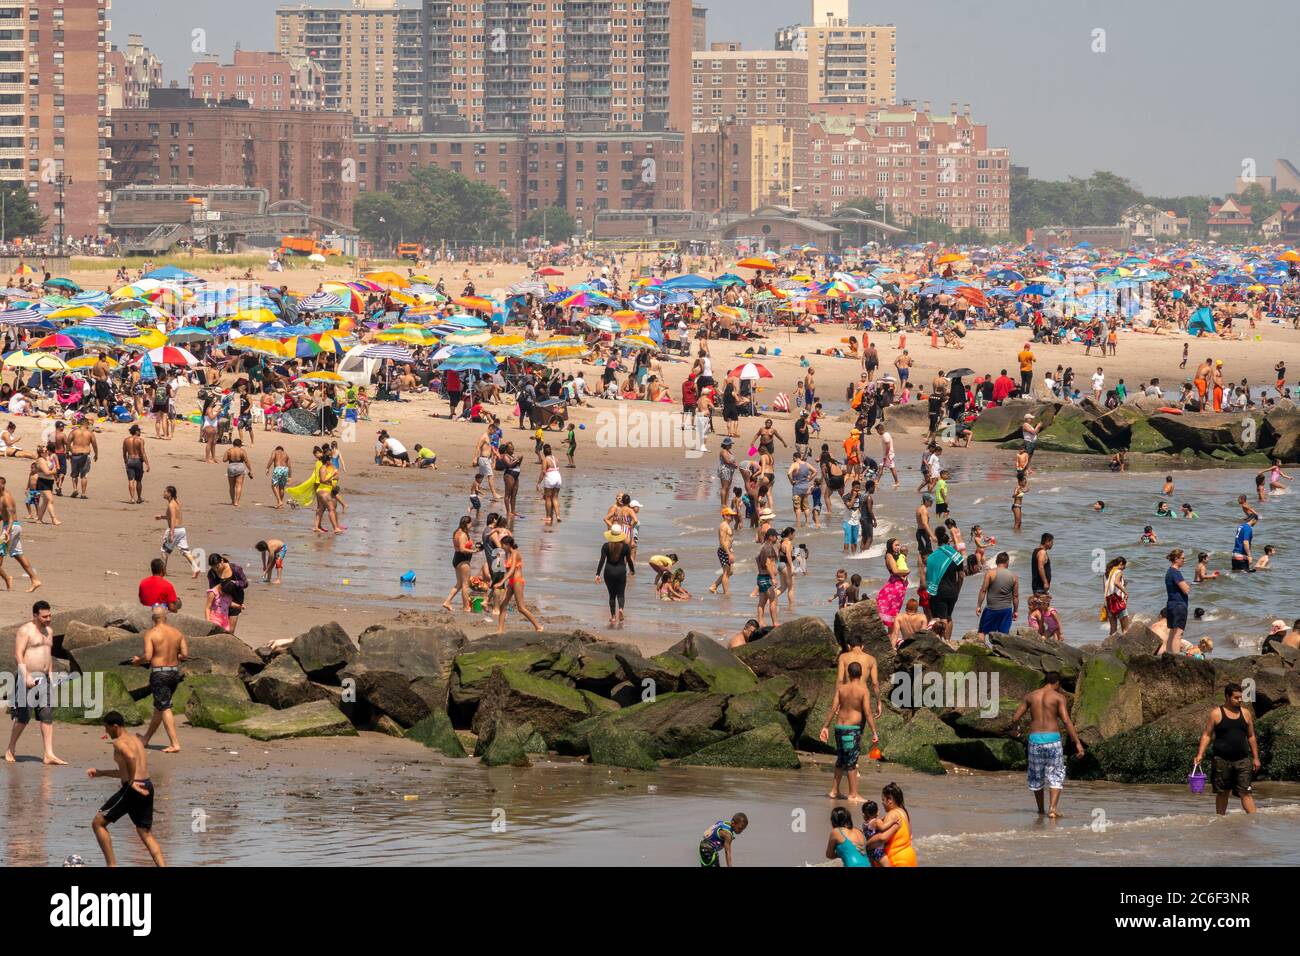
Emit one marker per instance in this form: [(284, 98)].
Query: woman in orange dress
[(896, 834)]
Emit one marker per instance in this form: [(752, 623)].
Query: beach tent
[(357, 368), (1202, 320)]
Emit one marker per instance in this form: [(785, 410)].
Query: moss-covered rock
[(112, 696), (1070, 432), (967, 675), (674, 725), (436, 733), (550, 707), (616, 746), (911, 739), (1105, 703), (474, 668), (1279, 740), (714, 667), (508, 745), (1143, 439), (756, 708), (220, 684), (804, 644), (214, 710), (977, 722), (319, 718), (818, 689), (764, 748)]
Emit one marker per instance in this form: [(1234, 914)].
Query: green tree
[(379, 217), (432, 205), (21, 217), (554, 223)]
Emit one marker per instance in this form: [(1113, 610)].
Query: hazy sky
[(1185, 91)]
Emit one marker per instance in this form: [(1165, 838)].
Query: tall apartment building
[(267, 81), (847, 63), (557, 64), (297, 155), (699, 28), (54, 108), (370, 54), (132, 73), (749, 115), (910, 164)]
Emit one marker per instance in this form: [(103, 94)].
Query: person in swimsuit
[(82, 445), (852, 705), (726, 557), (136, 461), (280, 468), (175, 537), (717, 840), (514, 586), (34, 653), (615, 565), (47, 471), (726, 470), (895, 833), (134, 798), (1048, 709), (462, 546), (164, 649), (548, 483), (846, 843), (236, 459), (209, 427), (273, 552)]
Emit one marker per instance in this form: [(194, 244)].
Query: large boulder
[(804, 644), (1279, 741), (1104, 703), (222, 685), (674, 725), (862, 621), (319, 718), (79, 635), (973, 672), (984, 753), (138, 618), (975, 722), (764, 748), (323, 651), (403, 672), (1030, 650), (1071, 431), (1002, 422), (107, 655), (1158, 752), (1115, 428), (221, 654), (550, 707), (1169, 682), (1208, 433), (405, 700), (474, 664), (911, 739), (508, 744), (1143, 439), (86, 700), (710, 666), (816, 689), (213, 710), (613, 745), (759, 707), (283, 683), (436, 733)]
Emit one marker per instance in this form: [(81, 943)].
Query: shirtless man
[(1202, 382), (908, 622), (81, 445), (11, 540), (765, 439), (134, 798), (34, 652), (136, 461), (279, 468), (164, 649), (1048, 709), (484, 457), (938, 400), (175, 537), (58, 439), (1216, 384), (852, 705), (236, 459), (870, 672), (103, 391), (924, 533), (726, 556)]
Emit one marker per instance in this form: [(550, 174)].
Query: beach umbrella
[(85, 335), (467, 337), (646, 302), (302, 347), (172, 355), (387, 350), (756, 262), (554, 351), (24, 270), (465, 321), (728, 278), (603, 323), (171, 274), (751, 371), (72, 312), (629, 320), (959, 373), (189, 333), (149, 339), (56, 341), (475, 303), (259, 344), (948, 257), (323, 378), (66, 284), (387, 277), (690, 281), (638, 341), (503, 341), (550, 271), (88, 361), (113, 324), (43, 362), (20, 317)]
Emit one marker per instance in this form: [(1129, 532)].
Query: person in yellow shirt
[(1026, 358)]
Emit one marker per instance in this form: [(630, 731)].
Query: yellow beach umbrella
[(388, 277), (504, 341), (261, 344), (467, 338), (42, 361), (88, 361), (255, 315), (151, 339), (73, 312)]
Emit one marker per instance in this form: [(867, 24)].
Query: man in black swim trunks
[(134, 798), (164, 649)]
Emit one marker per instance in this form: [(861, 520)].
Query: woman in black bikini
[(508, 464), (832, 475), (462, 554)]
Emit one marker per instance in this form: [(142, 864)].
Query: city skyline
[(1163, 104)]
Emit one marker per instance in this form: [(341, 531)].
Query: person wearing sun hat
[(614, 567)]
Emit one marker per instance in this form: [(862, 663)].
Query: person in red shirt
[(1003, 386), (156, 589)]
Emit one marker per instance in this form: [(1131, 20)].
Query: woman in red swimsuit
[(514, 586)]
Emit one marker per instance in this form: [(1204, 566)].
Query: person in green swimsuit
[(718, 838), (846, 842)]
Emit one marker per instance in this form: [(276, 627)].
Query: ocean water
[(410, 529)]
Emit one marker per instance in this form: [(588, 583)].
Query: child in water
[(871, 823), (1148, 535), (1261, 563), (1201, 573), (1169, 486), (1162, 510), (801, 559), (1188, 512), (841, 595)]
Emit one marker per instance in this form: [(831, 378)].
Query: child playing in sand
[(273, 552)]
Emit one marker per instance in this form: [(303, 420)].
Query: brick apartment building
[(913, 163), (295, 155), (54, 109), (131, 74), (266, 81), (582, 173)]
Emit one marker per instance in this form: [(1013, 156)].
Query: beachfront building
[(914, 164), (1145, 221), (749, 126), (296, 155), (1230, 219), (581, 172), (370, 54), (131, 74), (847, 62), (266, 81), (54, 109)]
